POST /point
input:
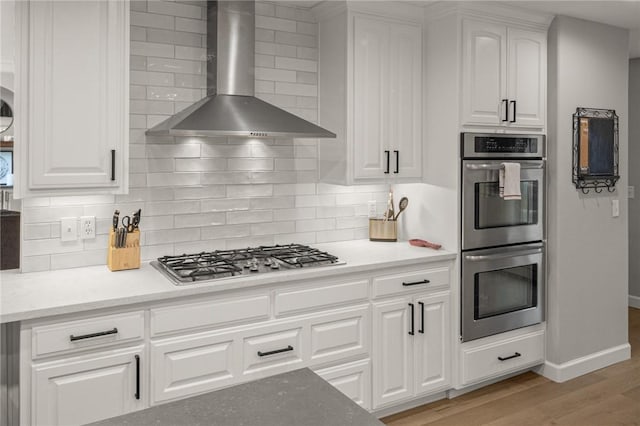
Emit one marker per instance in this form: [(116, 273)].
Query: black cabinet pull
[(514, 112), (387, 153), (516, 355), (89, 336), (397, 161), (277, 351), (137, 394), (421, 318), (412, 332), (506, 110), (113, 164), (415, 283)]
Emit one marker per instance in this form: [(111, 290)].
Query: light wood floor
[(610, 396)]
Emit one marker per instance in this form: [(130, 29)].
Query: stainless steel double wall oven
[(503, 274)]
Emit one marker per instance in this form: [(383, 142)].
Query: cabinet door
[(352, 379), (527, 77), (370, 97), (76, 77), (432, 343), (484, 70), (405, 100), (392, 357), (87, 389)]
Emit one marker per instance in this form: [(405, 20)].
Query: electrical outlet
[(372, 209), (87, 227), (615, 208), (69, 228), (632, 192)]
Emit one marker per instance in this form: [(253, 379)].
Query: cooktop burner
[(190, 268)]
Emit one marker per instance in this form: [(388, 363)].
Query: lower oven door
[(502, 289)]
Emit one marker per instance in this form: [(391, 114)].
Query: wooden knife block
[(128, 257)]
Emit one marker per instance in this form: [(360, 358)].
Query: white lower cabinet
[(411, 347), (352, 379), (482, 360), (87, 388), (185, 365)]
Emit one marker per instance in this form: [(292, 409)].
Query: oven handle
[(478, 258), (497, 166)]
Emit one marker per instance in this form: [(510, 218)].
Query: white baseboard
[(384, 412), (586, 364), (634, 301)]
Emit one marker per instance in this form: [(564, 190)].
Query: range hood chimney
[(230, 107)]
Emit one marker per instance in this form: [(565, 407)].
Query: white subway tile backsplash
[(152, 49), (226, 231), (277, 24), (175, 65), (210, 193), (250, 216), (173, 179), (200, 164), (273, 74), (273, 228), (191, 25), (296, 89), (296, 64), (225, 205), (177, 38), (193, 53), (242, 191), (151, 20), (250, 164), (174, 9)]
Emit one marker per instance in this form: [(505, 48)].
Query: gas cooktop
[(218, 264)]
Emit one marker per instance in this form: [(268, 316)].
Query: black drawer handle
[(421, 318), (416, 283), (277, 351), (89, 336), (113, 164), (412, 332), (137, 394), (387, 153), (514, 112), (506, 110), (397, 170), (516, 355)]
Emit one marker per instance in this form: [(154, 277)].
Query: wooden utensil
[(404, 202)]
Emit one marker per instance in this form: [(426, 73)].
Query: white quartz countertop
[(42, 294)]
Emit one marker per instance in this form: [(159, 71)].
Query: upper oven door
[(487, 219)]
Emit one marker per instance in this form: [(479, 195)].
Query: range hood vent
[(230, 108)]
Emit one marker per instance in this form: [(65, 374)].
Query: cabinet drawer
[(487, 361), (339, 335), (89, 332), (278, 350), (187, 365), (352, 379), (405, 282), (296, 300), (210, 313)]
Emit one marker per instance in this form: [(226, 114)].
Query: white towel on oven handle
[(509, 181)]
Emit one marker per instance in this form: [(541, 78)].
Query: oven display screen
[(516, 145)]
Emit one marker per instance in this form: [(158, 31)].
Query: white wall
[(209, 193), (634, 180), (587, 247)]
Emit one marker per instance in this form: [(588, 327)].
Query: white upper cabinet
[(376, 106), (72, 96), (503, 75)]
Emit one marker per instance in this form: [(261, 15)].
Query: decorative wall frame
[(595, 149)]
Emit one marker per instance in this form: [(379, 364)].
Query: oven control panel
[(501, 145)]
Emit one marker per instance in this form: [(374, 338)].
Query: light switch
[(69, 228), (615, 208)]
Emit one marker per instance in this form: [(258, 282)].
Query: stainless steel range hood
[(230, 108)]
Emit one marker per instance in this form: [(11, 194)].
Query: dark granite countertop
[(297, 398)]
